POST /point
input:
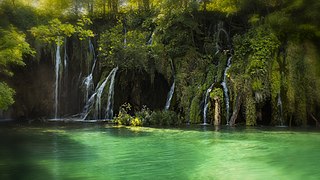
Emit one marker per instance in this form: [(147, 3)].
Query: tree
[(13, 47)]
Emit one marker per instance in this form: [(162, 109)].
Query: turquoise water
[(90, 151)]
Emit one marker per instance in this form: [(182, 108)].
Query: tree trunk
[(236, 110), (217, 112)]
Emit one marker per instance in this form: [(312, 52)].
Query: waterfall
[(99, 93), (57, 77), (109, 111), (88, 80), (206, 104), (88, 106), (280, 107), (220, 30), (225, 88), (151, 39), (125, 38), (95, 98), (170, 93), (169, 97), (65, 59)]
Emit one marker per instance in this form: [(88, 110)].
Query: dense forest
[(250, 62)]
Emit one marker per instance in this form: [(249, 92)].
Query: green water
[(84, 151)]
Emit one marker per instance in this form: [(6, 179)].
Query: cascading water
[(220, 30), (65, 59), (225, 88), (170, 93), (280, 108), (151, 39), (88, 106), (95, 98), (206, 104), (125, 38), (169, 97), (109, 111), (88, 81), (57, 77), (99, 93)]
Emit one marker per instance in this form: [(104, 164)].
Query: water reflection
[(91, 151)]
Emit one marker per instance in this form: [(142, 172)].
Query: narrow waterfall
[(170, 93), (57, 77), (88, 80), (151, 39), (95, 99), (109, 111), (88, 107), (99, 93), (125, 38), (65, 59), (169, 97), (225, 89), (221, 30), (206, 104), (280, 108)]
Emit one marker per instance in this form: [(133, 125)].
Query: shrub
[(164, 118), (136, 122), (144, 115), (123, 117)]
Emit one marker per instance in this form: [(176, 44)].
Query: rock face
[(34, 85), (137, 89)]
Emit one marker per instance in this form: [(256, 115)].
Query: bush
[(123, 117), (136, 122), (164, 118), (144, 115)]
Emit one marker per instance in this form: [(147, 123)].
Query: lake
[(99, 151)]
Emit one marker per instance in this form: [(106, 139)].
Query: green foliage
[(254, 54), (224, 6), (250, 108), (144, 115), (302, 82), (82, 28), (216, 93), (124, 48), (6, 96), (12, 48), (164, 118), (123, 117), (275, 79), (136, 122), (53, 32), (195, 110), (56, 30)]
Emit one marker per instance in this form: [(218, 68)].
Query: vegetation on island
[(274, 48)]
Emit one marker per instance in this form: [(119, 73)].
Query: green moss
[(250, 111), (275, 79), (216, 93), (164, 118), (195, 117)]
